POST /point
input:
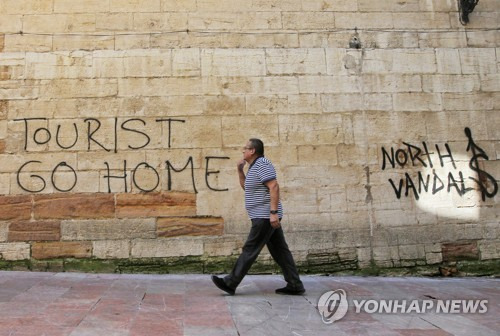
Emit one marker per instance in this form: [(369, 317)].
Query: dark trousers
[(262, 233)]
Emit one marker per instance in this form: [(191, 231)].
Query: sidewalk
[(78, 304)]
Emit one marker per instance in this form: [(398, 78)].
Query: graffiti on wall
[(34, 135), (413, 156)]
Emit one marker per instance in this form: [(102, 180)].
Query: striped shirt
[(257, 195)]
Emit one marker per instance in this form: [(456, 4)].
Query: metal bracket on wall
[(465, 7)]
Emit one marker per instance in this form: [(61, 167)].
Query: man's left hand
[(275, 221)]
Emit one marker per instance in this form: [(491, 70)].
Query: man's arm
[(241, 174), (274, 191)]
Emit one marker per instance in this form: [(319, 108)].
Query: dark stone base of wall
[(215, 265)]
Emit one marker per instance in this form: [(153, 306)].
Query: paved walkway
[(77, 304)]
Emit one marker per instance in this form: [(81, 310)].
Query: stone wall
[(121, 122)]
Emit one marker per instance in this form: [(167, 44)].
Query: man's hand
[(241, 174), (241, 165), (275, 221)]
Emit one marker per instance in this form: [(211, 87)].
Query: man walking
[(262, 202)]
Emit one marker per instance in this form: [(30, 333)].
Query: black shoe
[(290, 291), (222, 285)]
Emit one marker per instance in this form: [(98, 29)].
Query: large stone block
[(34, 231), (260, 21), (332, 200), (391, 83), (452, 39), (419, 20), (15, 207), (65, 206), (417, 102), (489, 249), (184, 40), (365, 20), (213, 20), (111, 249), (295, 61), (155, 204), (195, 132), (482, 39), (389, 253), (79, 88), (460, 250), (448, 61), (81, 42), (108, 229), (157, 87), (50, 250), (268, 85), (23, 43), (391, 218), (490, 82), (233, 62), (189, 226), (186, 62), (327, 5), (312, 129), (343, 102), (390, 39), (10, 90), (9, 24), (473, 101), (411, 252), (163, 248), (59, 23), (317, 155), (450, 83), (89, 6), (117, 22), (236, 130), (134, 5), (223, 105), (438, 5), (389, 6), (328, 84), (478, 60), (109, 67), (178, 5), (258, 40), (223, 246), (14, 251), (329, 175), (478, 20), (308, 20), (298, 104), (26, 7), (146, 22), (299, 200), (229, 5), (414, 61)]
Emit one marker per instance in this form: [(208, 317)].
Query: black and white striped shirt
[(257, 196)]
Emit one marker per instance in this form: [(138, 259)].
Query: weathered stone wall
[(121, 122)]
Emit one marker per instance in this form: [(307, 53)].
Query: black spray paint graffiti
[(35, 136), (42, 135), (485, 179), (434, 183)]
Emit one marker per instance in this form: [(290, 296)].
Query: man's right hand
[(241, 164)]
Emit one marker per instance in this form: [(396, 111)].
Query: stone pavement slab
[(75, 304)]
